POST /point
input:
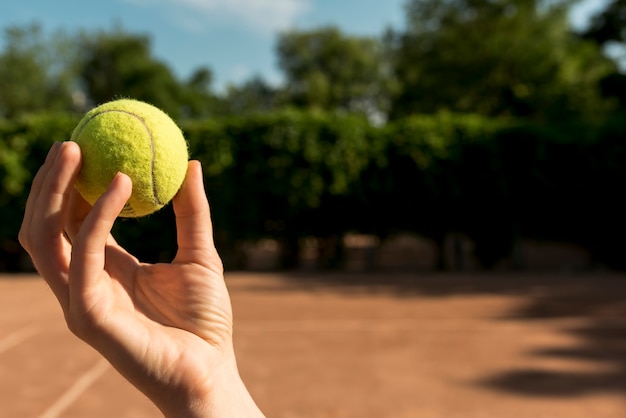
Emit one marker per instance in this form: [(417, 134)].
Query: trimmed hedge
[(290, 174)]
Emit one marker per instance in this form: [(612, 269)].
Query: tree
[(118, 64), (608, 29), (199, 101), (608, 25), (254, 95), (326, 69), (496, 58), (36, 73)]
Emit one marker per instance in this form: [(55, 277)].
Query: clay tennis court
[(348, 345)]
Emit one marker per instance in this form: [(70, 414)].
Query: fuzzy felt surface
[(139, 140)]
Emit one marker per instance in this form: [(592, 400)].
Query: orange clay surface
[(359, 345)]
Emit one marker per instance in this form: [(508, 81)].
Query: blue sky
[(235, 38)]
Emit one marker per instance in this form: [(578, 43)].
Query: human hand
[(167, 328)]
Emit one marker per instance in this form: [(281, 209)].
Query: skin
[(167, 328)]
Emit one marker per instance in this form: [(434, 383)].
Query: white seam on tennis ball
[(157, 201)]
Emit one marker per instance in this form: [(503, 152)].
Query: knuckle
[(79, 244), (78, 327), (78, 330), (81, 325), (73, 326), (23, 239)]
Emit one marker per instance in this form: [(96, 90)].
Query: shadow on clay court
[(599, 299)]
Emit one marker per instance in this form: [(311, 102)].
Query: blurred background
[(417, 201), (334, 133)]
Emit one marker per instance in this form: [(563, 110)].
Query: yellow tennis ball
[(139, 140)]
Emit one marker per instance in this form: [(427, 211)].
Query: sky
[(236, 39)]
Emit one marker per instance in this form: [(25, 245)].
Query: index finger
[(88, 251)]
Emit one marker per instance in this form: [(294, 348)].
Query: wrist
[(222, 395)]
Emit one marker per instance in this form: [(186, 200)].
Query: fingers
[(193, 221), (51, 205), (38, 180), (44, 218), (88, 249), (78, 210)]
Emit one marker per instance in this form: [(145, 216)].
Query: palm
[(174, 317), (167, 316), (174, 295)]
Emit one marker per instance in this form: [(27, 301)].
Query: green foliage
[(253, 96), (293, 174), (62, 72), (607, 29), (500, 128), (484, 57), (34, 72), (326, 69), (608, 24), (198, 101), (283, 161), (118, 64), (421, 182), (24, 143)]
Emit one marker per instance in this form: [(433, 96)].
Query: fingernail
[(119, 175)]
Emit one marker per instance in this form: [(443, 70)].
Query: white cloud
[(264, 16)]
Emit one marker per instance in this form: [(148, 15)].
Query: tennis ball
[(139, 140)]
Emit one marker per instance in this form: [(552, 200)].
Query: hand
[(166, 327)]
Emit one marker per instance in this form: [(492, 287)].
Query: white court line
[(78, 388), (17, 337)]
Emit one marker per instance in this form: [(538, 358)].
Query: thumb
[(193, 219)]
